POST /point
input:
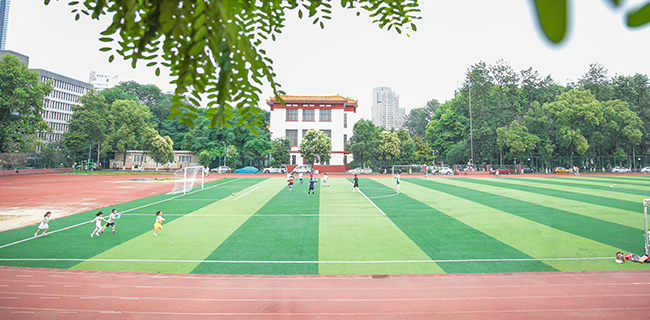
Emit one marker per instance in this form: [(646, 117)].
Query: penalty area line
[(364, 195), (245, 194)]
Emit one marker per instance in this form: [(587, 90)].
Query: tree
[(575, 112), (424, 153), (445, 130), (316, 147), (364, 141), (205, 158), (213, 47), (128, 124), (21, 105), (161, 149), (407, 148), (280, 151), (389, 147), (87, 125), (621, 126), (516, 137), (256, 148), (417, 120), (596, 81)]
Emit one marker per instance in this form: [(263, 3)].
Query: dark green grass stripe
[(76, 242), (272, 238), (586, 198), (619, 180), (645, 178), (612, 234), (442, 237)]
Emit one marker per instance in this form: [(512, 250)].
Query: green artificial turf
[(438, 225)]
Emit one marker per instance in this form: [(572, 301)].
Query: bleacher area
[(21, 172)]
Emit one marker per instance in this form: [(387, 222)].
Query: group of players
[(312, 182)]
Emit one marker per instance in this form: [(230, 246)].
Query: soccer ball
[(233, 194)]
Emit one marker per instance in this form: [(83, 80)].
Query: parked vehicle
[(386, 170), (503, 170), (619, 169), (281, 169), (304, 168), (137, 167), (359, 170), (645, 170), (222, 169), (561, 170), (527, 169), (248, 169), (445, 170)]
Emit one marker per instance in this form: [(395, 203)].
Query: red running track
[(27, 293)]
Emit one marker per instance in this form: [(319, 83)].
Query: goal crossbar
[(411, 169), (187, 178)]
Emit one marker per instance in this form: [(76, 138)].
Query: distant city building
[(101, 81), (330, 114), (57, 105), (385, 109), (4, 21)]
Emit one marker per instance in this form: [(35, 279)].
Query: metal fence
[(547, 164)]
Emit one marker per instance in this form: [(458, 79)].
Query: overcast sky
[(351, 56)]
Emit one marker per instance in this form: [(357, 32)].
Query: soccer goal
[(411, 170), (187, 178)]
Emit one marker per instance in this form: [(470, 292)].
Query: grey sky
[(351, 56)]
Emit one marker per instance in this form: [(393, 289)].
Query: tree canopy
[(21, 105)]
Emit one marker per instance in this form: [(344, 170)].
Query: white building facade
[(334, 115), (385, 109), (57, 105)]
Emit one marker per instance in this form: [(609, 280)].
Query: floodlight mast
[(645, 219), (471, 129)]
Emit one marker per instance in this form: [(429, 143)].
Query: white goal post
[(186, 178), (646, 203), (411, 169)]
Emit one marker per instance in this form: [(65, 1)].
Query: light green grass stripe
[(619, 216), (534, 239), (611, 193), (363, 238), (187, 238)]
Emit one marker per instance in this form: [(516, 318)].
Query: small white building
[(331, 114)]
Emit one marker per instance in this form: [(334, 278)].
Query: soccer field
[(428, 226)]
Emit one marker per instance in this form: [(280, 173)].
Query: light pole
[(471, 129), (634, 156)]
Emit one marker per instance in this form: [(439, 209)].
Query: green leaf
[(639, 17), (553, 18), (111, 58), (105, 39), (105, 49), (157, 72)]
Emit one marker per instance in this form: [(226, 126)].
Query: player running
[(326, 182), (110, 221), (98, 224), (158, 224), (290, 182), (45, 224)]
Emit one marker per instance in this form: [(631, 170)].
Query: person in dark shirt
[(311, 187), (356, 184)]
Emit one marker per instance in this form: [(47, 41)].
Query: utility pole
[(471, 129)]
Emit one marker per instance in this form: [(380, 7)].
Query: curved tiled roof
[(323, 99)]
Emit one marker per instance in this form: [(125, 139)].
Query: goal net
[(411, 170), (187, 178)]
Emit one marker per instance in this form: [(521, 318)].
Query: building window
[(308, 115), (326, 115), (293, 159), (184, 158), (292, 114), (139, 158), (328, 133), (292, 135), (304, 132), (345, 120), (345, 140)]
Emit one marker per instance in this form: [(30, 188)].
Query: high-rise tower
[(385, 109), (4, 19)]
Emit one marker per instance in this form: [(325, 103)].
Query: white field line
[(129, 210), (312, 262), (261, 215), (245, 193), (382, 212)]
